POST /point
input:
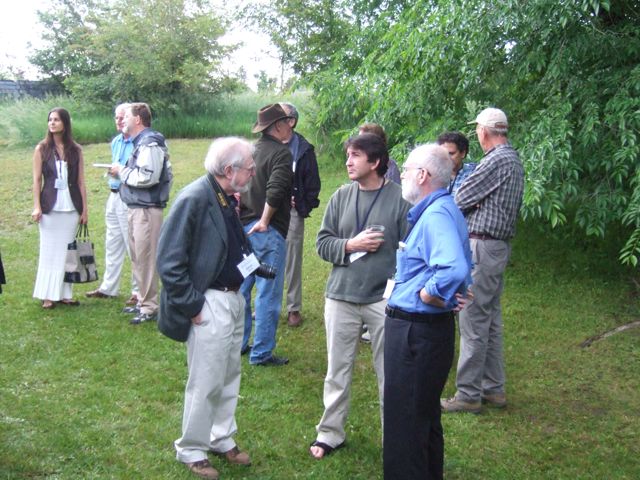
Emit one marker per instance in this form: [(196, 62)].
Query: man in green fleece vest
[(362, 226)]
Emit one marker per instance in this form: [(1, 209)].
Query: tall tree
[(566, 72), (129, 49), (68, 27), (309, 32)]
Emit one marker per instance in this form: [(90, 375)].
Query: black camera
[(266, 271)]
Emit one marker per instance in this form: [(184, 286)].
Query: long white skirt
[(57, 230)]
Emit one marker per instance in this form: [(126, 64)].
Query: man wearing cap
[(304, 198), (490, 200), (116, 243), (265, 214)]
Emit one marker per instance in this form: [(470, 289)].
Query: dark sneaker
[(246, 350), (143, 317), (273, 361), (134, 309), (294, 319)]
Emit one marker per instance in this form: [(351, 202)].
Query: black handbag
[(80, 265)]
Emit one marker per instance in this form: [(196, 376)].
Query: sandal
[(48, 304), (327, 449), (70, 302)]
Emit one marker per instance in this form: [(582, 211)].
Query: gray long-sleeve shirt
[(364, 280)]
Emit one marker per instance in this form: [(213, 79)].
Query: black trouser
[(417, 360)]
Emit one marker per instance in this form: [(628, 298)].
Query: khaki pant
[(211, 394), (144, 233), (116, 245), (481, 364), (293, 270), (343, 323)]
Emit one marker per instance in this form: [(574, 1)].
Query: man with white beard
[(433, 264)]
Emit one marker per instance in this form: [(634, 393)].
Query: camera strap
[(229, 211)]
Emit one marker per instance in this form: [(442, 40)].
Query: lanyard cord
[(364, 222), (57, 159), (453, 182)]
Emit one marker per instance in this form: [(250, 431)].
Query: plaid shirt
[(491, 196)]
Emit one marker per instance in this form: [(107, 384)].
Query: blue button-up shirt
[(121, 149), (436, 256)]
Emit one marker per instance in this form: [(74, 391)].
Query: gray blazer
[(191, 253)]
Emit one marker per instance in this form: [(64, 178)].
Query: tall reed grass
[(24, 121)]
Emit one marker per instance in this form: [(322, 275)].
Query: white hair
[(227, 152), (435, 159), (290, 109), (496, 131), (122, 106)]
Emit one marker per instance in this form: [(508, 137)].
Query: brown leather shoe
[(203, 469), (497, 400), (294, 319), (454, 405), (97, 294), (133, 300), (236, 457)]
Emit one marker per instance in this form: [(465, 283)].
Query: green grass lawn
[(85, 395)]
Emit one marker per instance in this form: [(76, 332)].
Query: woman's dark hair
[(47, 145), (375, 148)]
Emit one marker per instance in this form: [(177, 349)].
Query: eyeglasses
[(251, 169), (406, 168)]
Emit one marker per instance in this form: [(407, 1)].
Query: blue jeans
[(270, 247)]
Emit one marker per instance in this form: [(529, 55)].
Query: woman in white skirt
[(59, 202)]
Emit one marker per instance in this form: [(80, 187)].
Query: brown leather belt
[(482, 236)]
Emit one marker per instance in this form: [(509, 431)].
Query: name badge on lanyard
[(60, 183), (389, 288), (248, 265)]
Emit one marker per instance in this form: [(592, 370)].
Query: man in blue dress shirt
[(116, 244), (433, 265)]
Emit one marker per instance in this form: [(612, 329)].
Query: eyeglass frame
[(404, 168), (251, 169)]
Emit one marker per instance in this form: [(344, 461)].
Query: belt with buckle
[(114, 190), (417, 317), (226, 289)]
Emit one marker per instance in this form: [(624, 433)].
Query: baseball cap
[(492, 118)]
